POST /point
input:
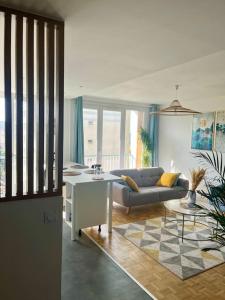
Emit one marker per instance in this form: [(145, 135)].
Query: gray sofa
[(149, 193)]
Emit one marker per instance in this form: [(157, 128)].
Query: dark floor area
[(89, 274)]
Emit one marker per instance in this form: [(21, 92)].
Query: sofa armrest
[(120, 193), (184, 183)]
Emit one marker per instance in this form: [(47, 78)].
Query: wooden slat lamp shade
[(33, 54)]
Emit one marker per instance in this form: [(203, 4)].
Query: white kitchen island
[(88, 202)]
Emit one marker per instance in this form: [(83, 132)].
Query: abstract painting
[(202, 131), (220, 132)]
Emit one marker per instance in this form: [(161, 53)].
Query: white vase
[(191, 198)]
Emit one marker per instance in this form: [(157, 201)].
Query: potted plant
[(146, 154), (196, 177), (215, 191)]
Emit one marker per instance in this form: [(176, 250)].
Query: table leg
[(73, 229), (109, 221), (182, 228), (194, 220), (75, 232)]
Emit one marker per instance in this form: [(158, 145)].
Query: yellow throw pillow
[(167, 179), (132, 184)]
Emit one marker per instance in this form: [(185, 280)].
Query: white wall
[(175, 153), (30, 249), (175, 144)]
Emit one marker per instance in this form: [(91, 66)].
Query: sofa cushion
[(124, 183), (145, 195), (149, 176), (131, 183), (168, 179), (176, 192), (153, 194), (143, 177)]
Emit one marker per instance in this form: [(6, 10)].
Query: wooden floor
[(154, 277)]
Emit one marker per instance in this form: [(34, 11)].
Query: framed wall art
[(220, 131), (203, 131)]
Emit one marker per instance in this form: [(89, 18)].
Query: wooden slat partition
[(30, 106), (19, 104), (59, 99), (8, 105), (50, 77), (47, 59), (41, 106)]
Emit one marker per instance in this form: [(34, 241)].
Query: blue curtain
[(154, 134), (78, 148)]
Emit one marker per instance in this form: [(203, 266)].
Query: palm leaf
[(145, 139), (215, 161), (215, 191)]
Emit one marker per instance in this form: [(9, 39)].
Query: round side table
[(179, 206)]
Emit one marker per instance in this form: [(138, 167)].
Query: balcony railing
[(111, 162)]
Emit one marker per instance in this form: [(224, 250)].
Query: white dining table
[(88, 201)]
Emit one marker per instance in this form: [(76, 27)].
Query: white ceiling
[(138, 50)]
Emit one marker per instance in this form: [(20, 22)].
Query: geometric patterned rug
[(183, 259)]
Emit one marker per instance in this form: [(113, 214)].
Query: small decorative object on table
[(98, 172), (196, 178)]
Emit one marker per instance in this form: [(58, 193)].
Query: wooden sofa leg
[(128, 210)]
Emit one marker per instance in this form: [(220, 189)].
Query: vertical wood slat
[(60, 104), (30, 112), (8, 105), (41, 104), (50, 80), (19, 104)]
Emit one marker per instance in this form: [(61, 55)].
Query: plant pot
[(191, 199)]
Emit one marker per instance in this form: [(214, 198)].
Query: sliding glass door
[(133, 146), (90, 117), (111, 136), (111, 139)]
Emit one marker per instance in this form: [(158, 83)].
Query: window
[(112, 139), (133, 145), (90, 136)]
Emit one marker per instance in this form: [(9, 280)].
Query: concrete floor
[(89, 274)]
